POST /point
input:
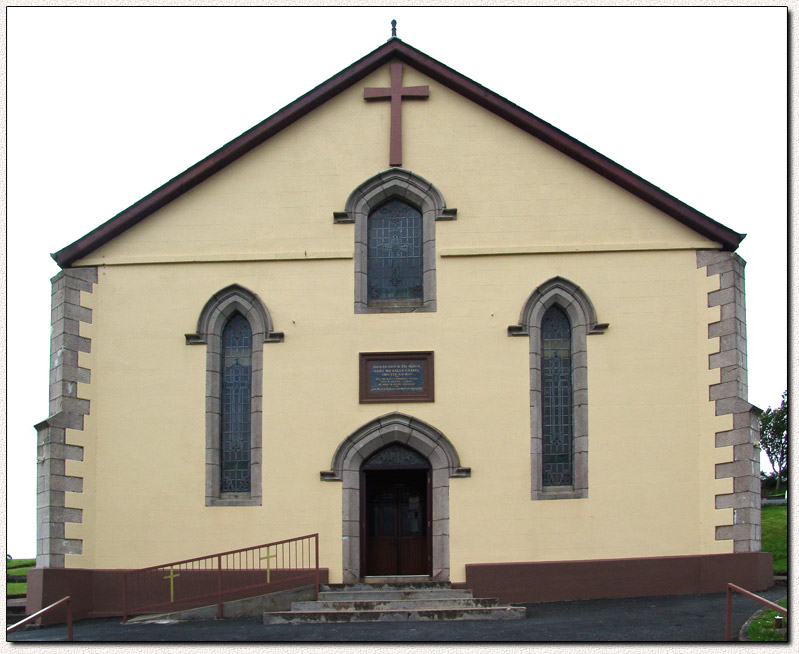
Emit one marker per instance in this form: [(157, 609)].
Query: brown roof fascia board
[(395, 49)]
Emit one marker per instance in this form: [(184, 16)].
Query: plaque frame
[(367, 396)]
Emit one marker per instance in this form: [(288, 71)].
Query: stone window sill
[(233, 500), (560, 493)]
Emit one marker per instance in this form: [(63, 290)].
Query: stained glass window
[(556, 387), (395, 252), (236, 390), (396, 455)]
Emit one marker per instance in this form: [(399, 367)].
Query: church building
[(406, 315)]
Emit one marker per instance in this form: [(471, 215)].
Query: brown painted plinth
[(98, 593), (606, 578)]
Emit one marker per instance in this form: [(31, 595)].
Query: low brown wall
[(98, 593), (606, 578)]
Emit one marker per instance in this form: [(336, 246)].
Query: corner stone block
[(727, 279), (722, 328), (60, 546), (61, 451), (78, 284), (721, 297), (723, 359), (708, 257), (733, 469), (731, 405), (746, 516), (743, 420), (733, 501), (50, 436), (63, 483), (746, 452), (746, 546), (65, 326), (88, 274), (731, 532), (748, 484), (65, 296), (62, 514), (733, 437), (720, 267), (724, 390), (49, 560)]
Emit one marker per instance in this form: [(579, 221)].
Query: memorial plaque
[(396, 377)]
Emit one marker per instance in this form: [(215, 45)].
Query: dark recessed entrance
[(396, 510)]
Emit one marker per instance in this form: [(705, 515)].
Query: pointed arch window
[(234, 325), (395, 214), (557, 317)]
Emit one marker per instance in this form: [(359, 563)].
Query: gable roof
[(397, 50)]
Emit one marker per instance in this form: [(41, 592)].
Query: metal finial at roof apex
[(393, 29)]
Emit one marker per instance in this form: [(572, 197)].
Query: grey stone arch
[(363, 443), (412, 188), (582, 316), (213, 318)]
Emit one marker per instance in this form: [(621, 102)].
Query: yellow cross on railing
[(171, 576), (267, 557)]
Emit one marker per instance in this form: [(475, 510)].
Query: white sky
[(106, 104)]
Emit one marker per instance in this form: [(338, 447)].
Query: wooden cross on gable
[(396, 92)]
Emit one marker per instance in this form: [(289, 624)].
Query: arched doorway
[(347, 467), (397, 517)]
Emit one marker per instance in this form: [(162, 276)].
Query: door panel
[(396, 530)]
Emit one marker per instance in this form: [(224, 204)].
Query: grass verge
[(762, 628), (18, 567), (774, 535)]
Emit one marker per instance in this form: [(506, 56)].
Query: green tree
[(774, 436)]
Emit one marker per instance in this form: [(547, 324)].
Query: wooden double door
[(396, 522)]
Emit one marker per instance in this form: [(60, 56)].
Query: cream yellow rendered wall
[(651, 426), (650, 433)]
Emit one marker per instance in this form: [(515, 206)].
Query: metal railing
[(221, 577), (743, 591), (35, 616)]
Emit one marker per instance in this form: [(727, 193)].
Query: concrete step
[(396, 604), (394, 594), (389, 583), (403, 580), (15, 610), (401, 615)]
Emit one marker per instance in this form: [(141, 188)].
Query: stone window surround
[(578, 307), (414, 189), (363, 443), (210, 325), (730, 398)]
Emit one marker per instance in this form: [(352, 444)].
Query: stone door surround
[(346, 468)]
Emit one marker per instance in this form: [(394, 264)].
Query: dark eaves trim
[(397, 50)]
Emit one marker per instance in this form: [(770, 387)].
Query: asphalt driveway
[(693, 618)]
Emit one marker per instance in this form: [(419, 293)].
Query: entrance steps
[(385, 601)]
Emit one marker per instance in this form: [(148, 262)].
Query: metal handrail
[(41, 612), (238, 551), (217, 566), (751, 595)]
